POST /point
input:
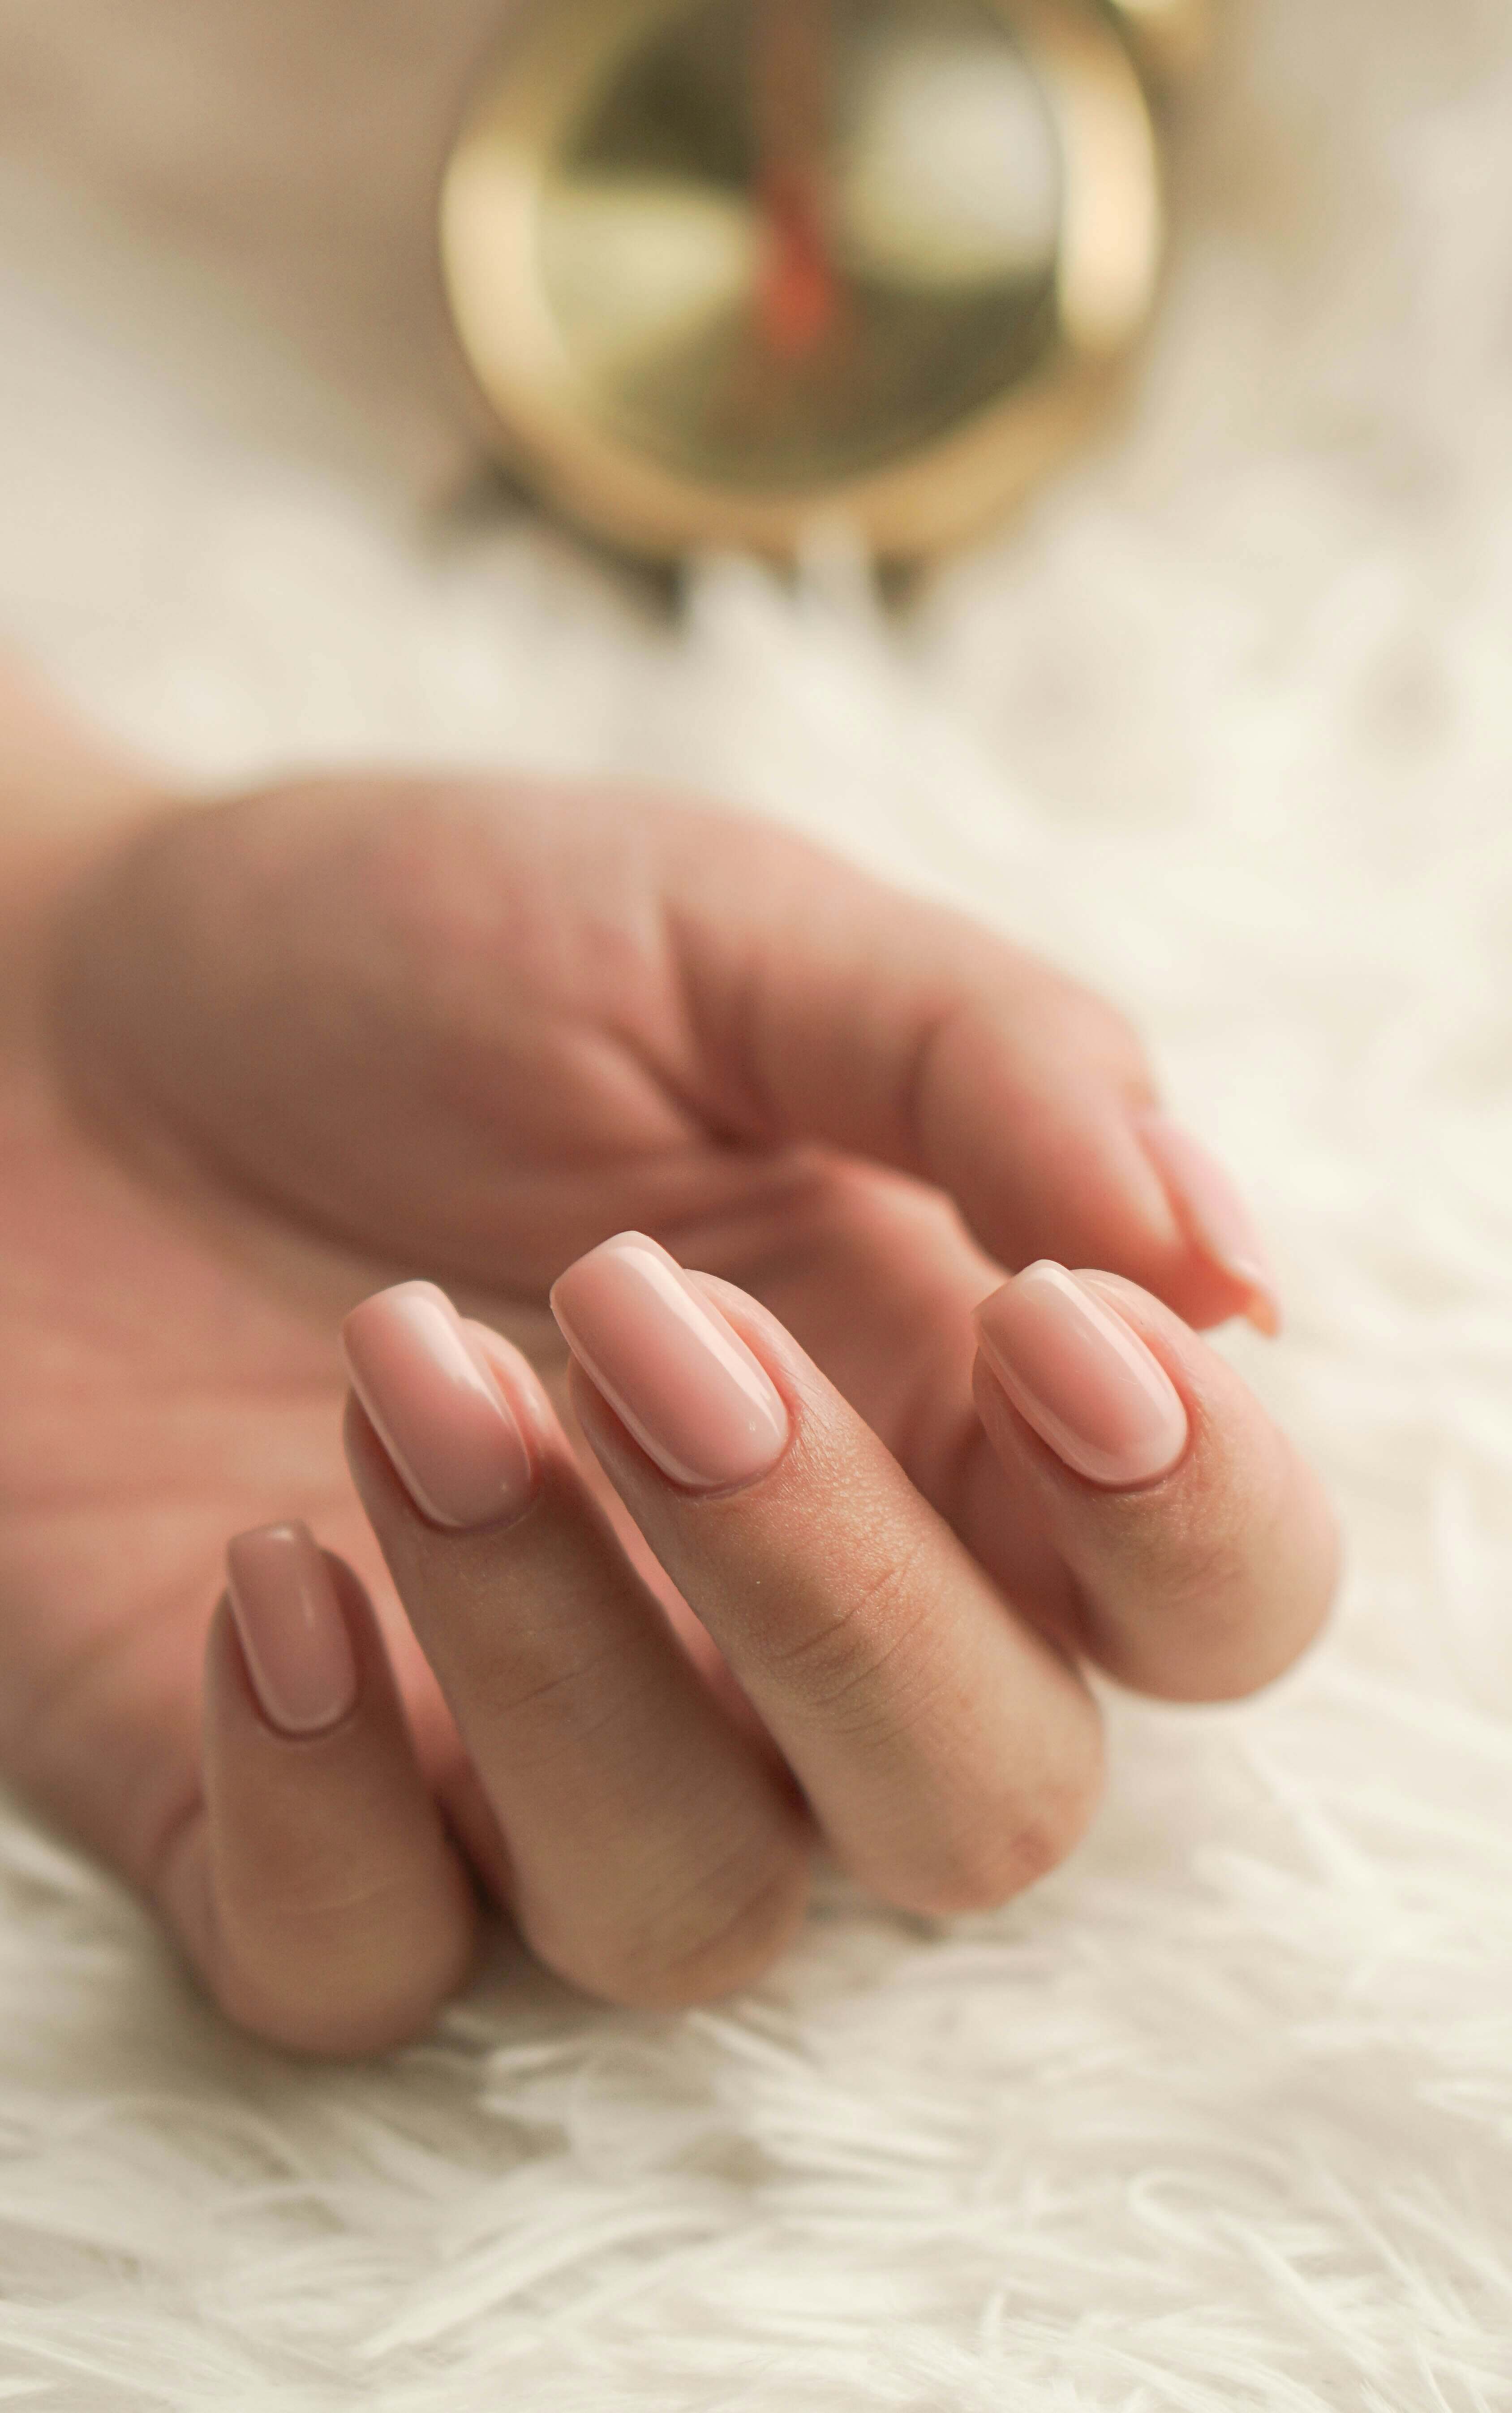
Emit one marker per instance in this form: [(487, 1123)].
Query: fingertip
[(570, 1277), (1264, 1313), (1082, 1378), (1214, 1216), (289, 1622), (377, 1309), (1213, 1580), (524, 1394), (444, 1419), (671, 1365)]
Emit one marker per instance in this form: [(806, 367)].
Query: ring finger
[(658, 1850)]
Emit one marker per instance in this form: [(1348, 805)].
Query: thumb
[(831, 1007)]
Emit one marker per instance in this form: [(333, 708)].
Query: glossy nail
[(1082, 1378), (1211, 1209), (292, 1633), (676, 1374), (436, 1408)]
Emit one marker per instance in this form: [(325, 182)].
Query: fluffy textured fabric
[(1219, 2118)]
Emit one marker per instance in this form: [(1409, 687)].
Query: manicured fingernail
[(673, 1370), (1214, 1215), (1082, 1378), (292, 1633), (439, 1412)]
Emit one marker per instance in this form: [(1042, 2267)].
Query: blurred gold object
[(727, 271)]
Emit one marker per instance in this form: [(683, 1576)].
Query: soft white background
[(1220, 2117)]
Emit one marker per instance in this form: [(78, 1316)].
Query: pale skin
[(263, 1058)]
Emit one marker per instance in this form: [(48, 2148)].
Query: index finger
[(1200, 1552)]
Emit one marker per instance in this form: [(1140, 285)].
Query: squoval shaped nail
[(291, 1630), (439, 1412), (1082, 1378), (674, 1370)]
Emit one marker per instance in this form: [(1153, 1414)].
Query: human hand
[(310, 1042)]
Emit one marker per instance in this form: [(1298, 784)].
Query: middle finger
[(949, 1751)]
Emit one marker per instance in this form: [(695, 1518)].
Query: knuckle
[(983, 1868), (319, 1967), (1061, 1014), (550, 1707), (845, 1662), (980, 1863), (1096, 1030), (314, 2025), (714, 1941), (1037, 1029), (306, 1998)]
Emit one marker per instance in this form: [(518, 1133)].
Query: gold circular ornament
[(727, 271)]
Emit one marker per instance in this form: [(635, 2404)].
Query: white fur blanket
[(1219, 2119)]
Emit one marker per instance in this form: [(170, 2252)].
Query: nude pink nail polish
[(437, 1409), (1214, 1215), (292, 1633), (675, 1372), (1082, 1378)]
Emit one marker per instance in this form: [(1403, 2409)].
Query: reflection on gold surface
[(947, 174), (641, 267)]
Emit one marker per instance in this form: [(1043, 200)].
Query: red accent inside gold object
[(799, 293), (721, 265)]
